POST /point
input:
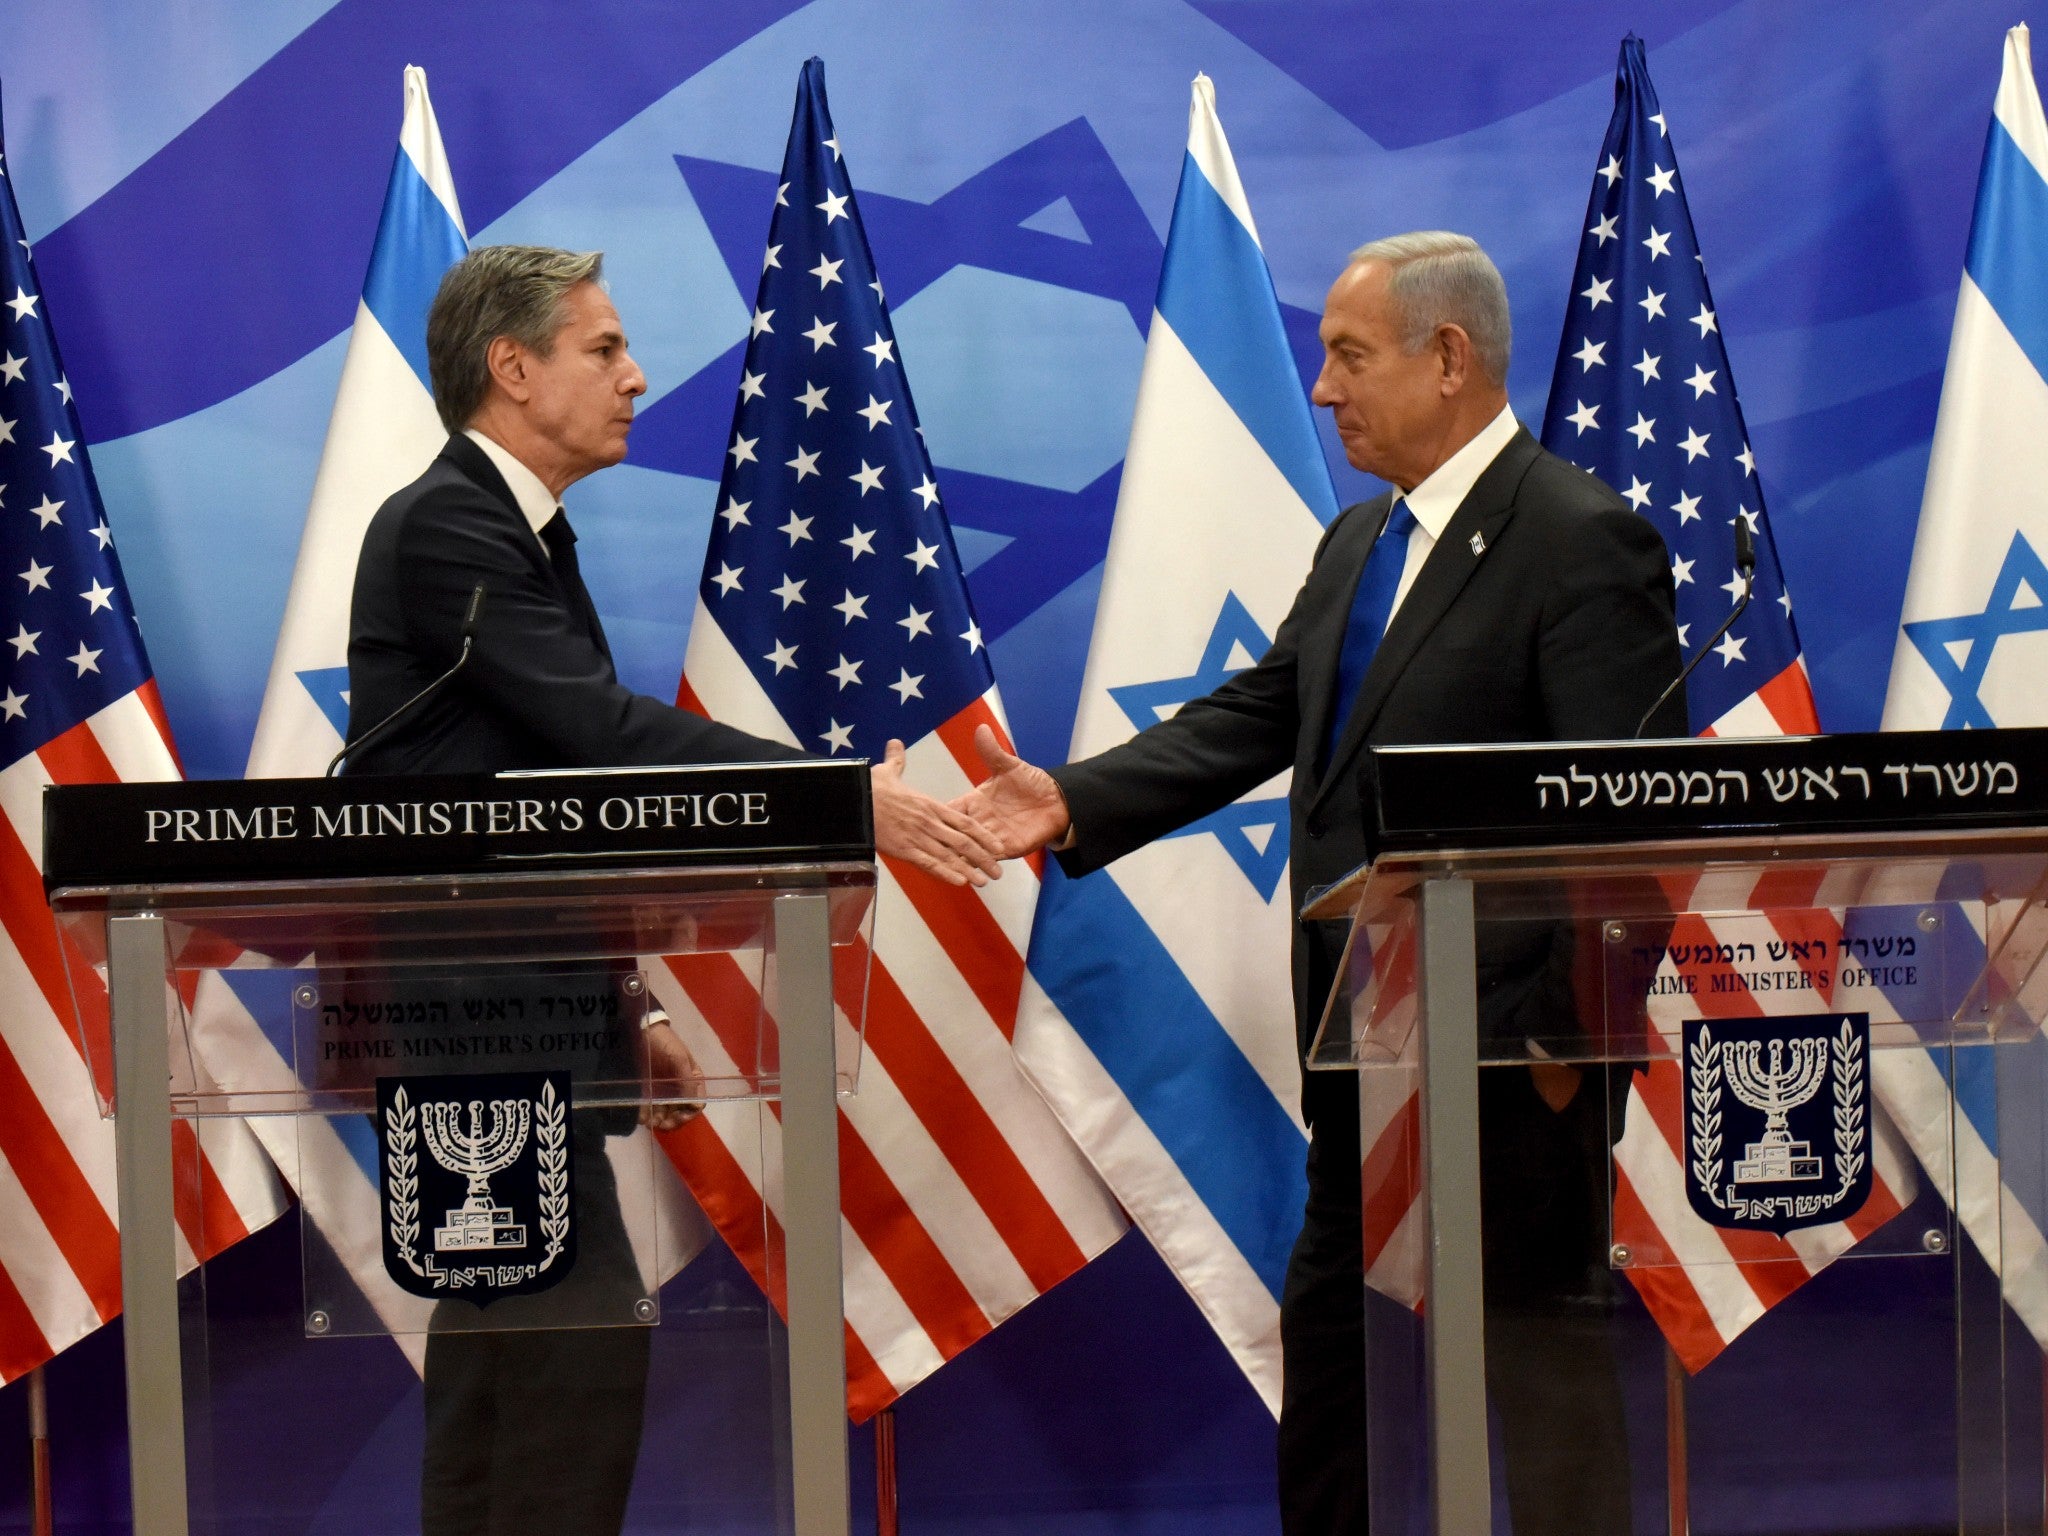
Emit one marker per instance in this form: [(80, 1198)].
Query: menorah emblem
[(1801, 1076), (476, 1126), (1776, 1089), (476, 1153)]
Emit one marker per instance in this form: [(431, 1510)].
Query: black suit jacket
[(1558, 628), (539, 690)]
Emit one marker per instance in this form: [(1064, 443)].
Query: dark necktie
[(560, 540), (1371, 607)]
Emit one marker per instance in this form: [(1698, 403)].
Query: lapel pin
[(1478, 545)]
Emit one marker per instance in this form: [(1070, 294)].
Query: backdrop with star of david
[(201, 184)]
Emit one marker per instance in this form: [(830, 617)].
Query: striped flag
[(1643, 397), (833, 615), (1158, 1007), (1969, 655), (78, 704)]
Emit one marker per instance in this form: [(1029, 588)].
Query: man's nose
[(635, 382), (1324, 392)]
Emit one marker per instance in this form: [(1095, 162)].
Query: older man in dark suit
[(539, 1430), (1495, 594)]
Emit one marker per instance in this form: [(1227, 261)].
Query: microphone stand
[(384, 727), (1745, 567)]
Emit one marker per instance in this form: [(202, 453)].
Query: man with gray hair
[(532, 378), (1494, 594), (531, 1427)]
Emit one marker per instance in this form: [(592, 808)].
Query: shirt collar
[(1439, 496), (536, 505)]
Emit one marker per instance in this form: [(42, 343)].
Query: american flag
[(833, 614), (78, 704), (1643, 397)]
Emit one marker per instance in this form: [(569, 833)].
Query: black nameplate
[(1418, 798), (272, 829)]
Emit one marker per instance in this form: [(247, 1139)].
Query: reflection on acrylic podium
[(452, 1039), (1676, 1063)]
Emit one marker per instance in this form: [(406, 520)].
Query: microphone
[(383, 728), (1745, 567)]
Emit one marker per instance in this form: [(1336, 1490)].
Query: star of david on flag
[(78, 704), (1965, 657), (833, 615), (1254, 831), (2018, 606)]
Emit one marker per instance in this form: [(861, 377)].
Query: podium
[(432, 999), (1676, 1062)]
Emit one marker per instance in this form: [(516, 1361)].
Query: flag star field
[(1644, 399), (830, 565)]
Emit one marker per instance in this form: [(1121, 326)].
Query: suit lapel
[(1485, 510)]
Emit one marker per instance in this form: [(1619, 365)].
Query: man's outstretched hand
[(1018, 806), (675, 1074), (938, 838)]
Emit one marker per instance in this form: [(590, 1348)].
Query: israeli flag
[(1972, 646), (382, 434), (1157, 1017)]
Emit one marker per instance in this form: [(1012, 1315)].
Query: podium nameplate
[(267, 829), (1560, 793)]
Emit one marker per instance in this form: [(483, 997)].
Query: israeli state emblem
[(475, 1181), (1777, 1123)]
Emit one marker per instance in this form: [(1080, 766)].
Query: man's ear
[(1454, 359), (506, 359)]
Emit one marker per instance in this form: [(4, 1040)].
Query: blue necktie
[(1371, 607)]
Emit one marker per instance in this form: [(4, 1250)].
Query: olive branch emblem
[(1705, 1085), (1850, 1128), (551, 1135), (401, 1172)]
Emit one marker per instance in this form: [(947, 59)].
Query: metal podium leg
[(1454, 1319), (149, 1251), (810, 1205)]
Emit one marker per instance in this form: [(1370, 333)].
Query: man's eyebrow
[(609, 338)]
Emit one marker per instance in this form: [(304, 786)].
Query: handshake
[(1017, 810)]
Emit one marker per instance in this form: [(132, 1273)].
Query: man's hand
[(1018, 805), (674, 1072), (938, 839)]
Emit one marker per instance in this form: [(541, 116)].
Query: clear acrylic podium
[(327, 1008), (1665, 1118)]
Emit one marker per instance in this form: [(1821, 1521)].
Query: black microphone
[(1745, 567), (384, 727)]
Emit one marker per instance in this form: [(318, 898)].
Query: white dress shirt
[(536, 504), (1438, 497)]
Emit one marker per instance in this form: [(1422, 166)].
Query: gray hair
[(1435, 277), (496, 290)]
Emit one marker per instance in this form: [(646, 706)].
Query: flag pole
[(39, 1452), (1676, 1497), (885, 1472)]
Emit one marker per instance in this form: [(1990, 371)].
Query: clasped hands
[(1017, 810)]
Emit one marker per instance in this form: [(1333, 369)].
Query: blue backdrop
[(202, 181)]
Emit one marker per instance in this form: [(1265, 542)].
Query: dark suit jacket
[(539, 690), (1560, 630)]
